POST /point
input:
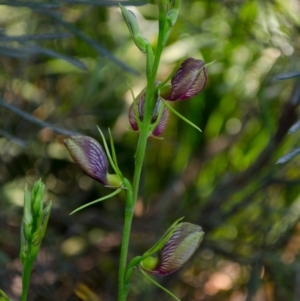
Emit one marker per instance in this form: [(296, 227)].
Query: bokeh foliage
[(65, 68)]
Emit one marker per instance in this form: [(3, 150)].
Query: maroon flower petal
[(140, 109), (140, 102), (132, 118), (189, 80), (162, 123), (90, 157)]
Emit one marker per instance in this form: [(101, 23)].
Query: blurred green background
[(66, 67)]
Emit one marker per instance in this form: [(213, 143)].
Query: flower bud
[(189, 80), (90, 157), (37, 197), (160, 111), (34, 222), (27, 220), (183, 243), (41, 223), (173, 12), (134, 30)]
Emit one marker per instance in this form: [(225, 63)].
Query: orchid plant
[(148, 116)]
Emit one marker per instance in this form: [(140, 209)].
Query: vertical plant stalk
[(129, 210), (149, 106), (34, 225), (26, 278), (132, 195)]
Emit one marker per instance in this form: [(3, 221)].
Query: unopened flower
[(173, 12), (134, 30), (182, 244), (188, 81), (91, 158), (34, 222), (140, 104)]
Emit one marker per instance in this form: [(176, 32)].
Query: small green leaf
[(180, 116), (114, 156), (158, 285), (109, 156), (27, 220), (42, 222), (96, 201), (37, 196), (162, 241), (24, 246), (3, 296)]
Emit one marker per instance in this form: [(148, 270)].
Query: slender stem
[(131, 195), (148, 110), (129, 209), (26, 278)]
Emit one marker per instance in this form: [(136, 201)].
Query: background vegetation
[(65, 68)]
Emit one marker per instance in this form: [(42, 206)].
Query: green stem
[(129, 209), (148, 110), (132, 195), (26, 278)]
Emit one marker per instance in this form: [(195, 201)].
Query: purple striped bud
[(91, 158), (183, 243), (140, 103), (189, 80)]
